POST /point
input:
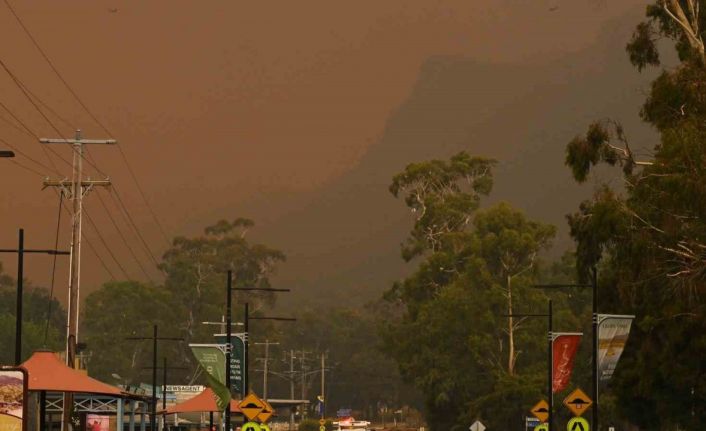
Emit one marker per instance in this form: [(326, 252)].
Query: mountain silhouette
[(342, 241)]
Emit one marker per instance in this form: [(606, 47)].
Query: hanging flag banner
[(213, 361), (613, 331), (564, 348), (237, 359)]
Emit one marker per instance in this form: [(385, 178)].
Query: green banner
[(213, 361), (237, 360)]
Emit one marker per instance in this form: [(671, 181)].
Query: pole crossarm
[(261, 289), (68, 183), (282, 319), (77, 140), (52, 252)]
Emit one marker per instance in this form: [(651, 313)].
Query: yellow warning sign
[(541, 411), (266, 412), (251, 406), (578, 402)]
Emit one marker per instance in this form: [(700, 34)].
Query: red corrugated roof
[(203, 402), (48, 373)]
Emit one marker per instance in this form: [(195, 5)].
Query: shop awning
[(48, 373), (203, 402)]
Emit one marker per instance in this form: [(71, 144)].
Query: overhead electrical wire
[(116, 195), (27, 168), (31, 96), (15, 126), (22, 153), (110, 251), (29, 131), (120, 233), (53, 269), (24, 90), (93, 116), (92, 248)]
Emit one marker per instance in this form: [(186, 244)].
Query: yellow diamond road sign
[(251, 406), (541, 411), (266, 412), (578, 402)]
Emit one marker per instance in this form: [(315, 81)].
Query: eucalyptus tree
[(649, 237), (447, 328)]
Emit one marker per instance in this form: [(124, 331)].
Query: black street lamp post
[(550, 359), (21, 250), (594, 306)]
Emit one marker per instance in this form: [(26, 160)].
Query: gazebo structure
[(51, 378), (205, 402)]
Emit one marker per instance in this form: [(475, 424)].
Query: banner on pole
[(564, 348), (213, 361), (237, 360), (613, 332)]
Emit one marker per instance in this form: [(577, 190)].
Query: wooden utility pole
[(76, 189), (265, 361)]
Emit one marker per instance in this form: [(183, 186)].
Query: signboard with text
[(237, 360)]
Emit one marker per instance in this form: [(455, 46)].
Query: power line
[(15, 126), (100, 237), (45, 150), (93, 249), (50, 109), (27, 168), (115, 194), (127, 245), (4, 142), (53, 269), (90, 113), (24, 89), (26, 128)]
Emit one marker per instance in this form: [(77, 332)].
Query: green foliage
[(447, 330), (36, 332), (442, 195), (650, 240), (196, 270), (193, 292), (643, 50), (360, 376), (127, 309)]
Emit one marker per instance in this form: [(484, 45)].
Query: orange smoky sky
[(220, 103)]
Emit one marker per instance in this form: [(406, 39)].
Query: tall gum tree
[(448, 335), (650, 237), (196, 270)]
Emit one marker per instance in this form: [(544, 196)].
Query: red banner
[(564, 353)]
